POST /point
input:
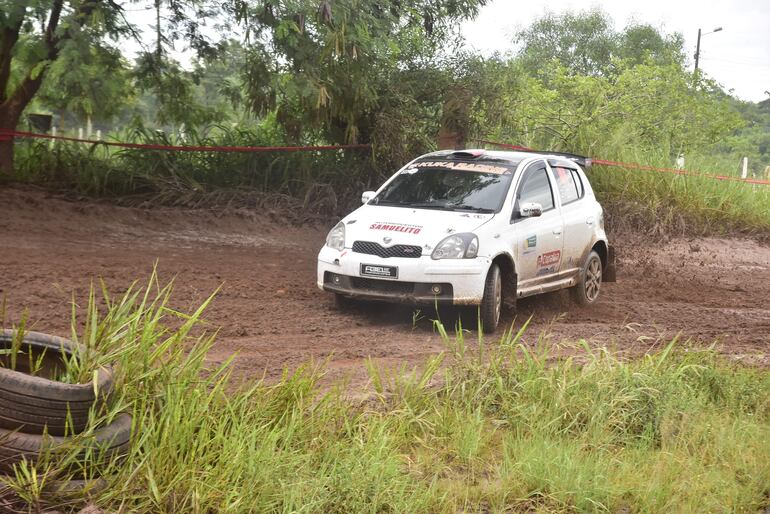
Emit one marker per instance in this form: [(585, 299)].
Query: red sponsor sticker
[(396, 227), (549, 259)]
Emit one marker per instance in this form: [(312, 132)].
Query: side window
[(569, 184), (578, 183), (535, 188)]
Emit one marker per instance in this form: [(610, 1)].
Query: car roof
[(511, 157)]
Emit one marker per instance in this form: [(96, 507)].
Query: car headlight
[(336, 237), (457, 246)]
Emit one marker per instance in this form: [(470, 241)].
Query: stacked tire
[(39, 414)]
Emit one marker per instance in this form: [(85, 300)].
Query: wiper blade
[(395, 203), (410, 205), (472, 208)]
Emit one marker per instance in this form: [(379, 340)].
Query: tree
[(642, 108), (101, 88), (583, 42), (333, 66), (587, 43), (643, 43), (44, 30), (46, 27)]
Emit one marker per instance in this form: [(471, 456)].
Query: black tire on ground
[(586, 291), (492, 301), (33, 403), (112, 440)]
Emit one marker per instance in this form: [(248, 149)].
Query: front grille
[(382, 286), (371, 248)]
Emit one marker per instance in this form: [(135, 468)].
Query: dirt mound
[(272, 313)]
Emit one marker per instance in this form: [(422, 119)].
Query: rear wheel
[(586, 292), (492, 301)]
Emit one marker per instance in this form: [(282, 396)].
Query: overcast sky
[(738, 57)]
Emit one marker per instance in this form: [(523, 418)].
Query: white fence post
[(745, 172)]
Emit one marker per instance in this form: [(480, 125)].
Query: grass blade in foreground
[(678, 431)]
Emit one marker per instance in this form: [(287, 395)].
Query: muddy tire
[(112, 440), (586, 292), (492, 301), (33, 404)]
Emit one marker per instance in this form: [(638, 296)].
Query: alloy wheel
[(593, 280)]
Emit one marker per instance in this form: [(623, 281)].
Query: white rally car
[(472, 227)]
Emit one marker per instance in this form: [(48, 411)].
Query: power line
[(732, 61)]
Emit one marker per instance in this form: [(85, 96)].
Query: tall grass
[(329, 183), (665, 203), (490, 426), (319, 180)]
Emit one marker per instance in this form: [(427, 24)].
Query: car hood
[(400, 225)]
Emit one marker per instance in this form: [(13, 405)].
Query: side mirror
[(530, 210), (367, 195)]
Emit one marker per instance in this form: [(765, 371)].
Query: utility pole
[(697, 52), (697, 46)]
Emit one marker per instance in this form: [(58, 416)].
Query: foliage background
[(393, 74)]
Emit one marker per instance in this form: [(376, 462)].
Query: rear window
[(568, 183)]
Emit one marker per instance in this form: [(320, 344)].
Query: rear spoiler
[(583, 162)]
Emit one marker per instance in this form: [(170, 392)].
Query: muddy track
[(272, 314)]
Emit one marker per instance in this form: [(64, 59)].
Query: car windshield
[(446, 189)]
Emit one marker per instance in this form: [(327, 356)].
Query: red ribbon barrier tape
[(6, 135), (643, 167)]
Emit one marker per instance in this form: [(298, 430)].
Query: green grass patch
[(666, 204), (495, 427)]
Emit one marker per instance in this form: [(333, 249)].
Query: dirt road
[(272, 314)]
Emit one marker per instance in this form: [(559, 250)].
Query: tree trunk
[(10, 114), (7, 123), (6, 159)]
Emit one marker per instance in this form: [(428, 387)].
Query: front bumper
[(420, 280)]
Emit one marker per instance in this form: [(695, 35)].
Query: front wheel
[(586, 292), (492, 301)]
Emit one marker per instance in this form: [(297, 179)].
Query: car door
[(538, 240), (577, 215)]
